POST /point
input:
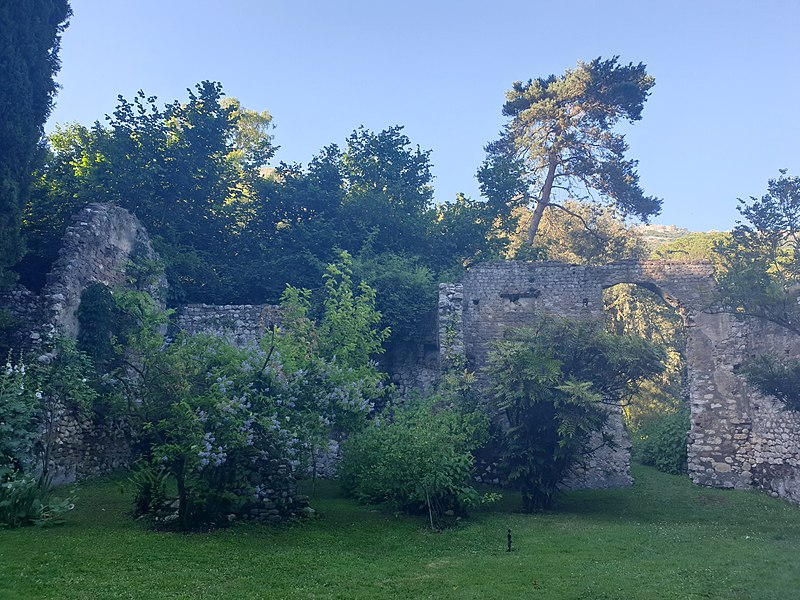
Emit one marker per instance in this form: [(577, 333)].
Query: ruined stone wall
[(85, 446), (494, 297), (242, 324), (412, 365), (97, 247), (738, 438), (27, 312)]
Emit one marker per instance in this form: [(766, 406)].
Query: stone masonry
[(97, 247), (242, 324), (738, 438)]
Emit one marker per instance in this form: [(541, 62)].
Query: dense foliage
[(18, 404), (417, 457), (233, 427), (578, 233), (633, 310), (30, 36), (185, 170), (31, 398), (760, 278), (760, 261), (560, 143), (692, 246), (660, 441), (196, 174), (775, 376), (553, 386)]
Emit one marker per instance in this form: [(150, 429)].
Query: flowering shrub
[(232, 426), (19, 401), (25, 491), (207, 426)]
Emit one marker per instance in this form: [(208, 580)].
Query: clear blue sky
[(721, 121)]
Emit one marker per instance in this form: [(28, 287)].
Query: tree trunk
[(544, 201), (183, 508)]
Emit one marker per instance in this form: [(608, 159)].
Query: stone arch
[(738, 438)]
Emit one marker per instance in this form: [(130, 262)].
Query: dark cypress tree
[(30, 35)]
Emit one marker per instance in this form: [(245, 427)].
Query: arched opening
[(657, 416)]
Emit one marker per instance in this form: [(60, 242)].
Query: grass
[(663, 538)]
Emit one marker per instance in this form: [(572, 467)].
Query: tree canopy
[(760, 277), (559, 142), (760, 259)]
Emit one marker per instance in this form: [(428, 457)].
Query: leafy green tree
[(291, 229), (187, 170), (63, 184), (464, 232), (30, 37), (405, 291), (559, 142), (389, 196), (348, 329), (549, 385), (760, 262)]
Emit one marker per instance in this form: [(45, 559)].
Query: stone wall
[(412, 365), (97, 247), (738, 438), (84, 446), (27, 311), (242, 324)]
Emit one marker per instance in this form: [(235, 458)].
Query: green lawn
[(663, 538)]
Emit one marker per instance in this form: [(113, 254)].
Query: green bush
[(230, 427), (25, 501), (29, 398), (416, 458), (406, 291), (661, 442), (19, 403), (549, 385), (149, 488)]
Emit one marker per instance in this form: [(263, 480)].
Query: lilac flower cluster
[(209, 455)]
